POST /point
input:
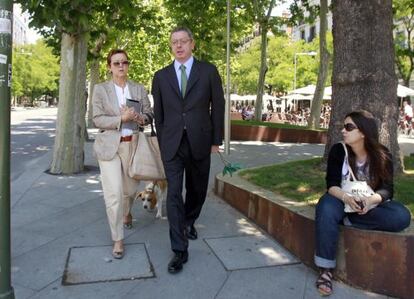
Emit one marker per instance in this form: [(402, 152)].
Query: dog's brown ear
[(153, 201), (140, 195)]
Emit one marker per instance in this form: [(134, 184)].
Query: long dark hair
[(378, 156)]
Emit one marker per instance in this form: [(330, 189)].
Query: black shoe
[(191, 232), (176, 263)]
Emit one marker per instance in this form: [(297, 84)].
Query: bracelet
[(343, 197)]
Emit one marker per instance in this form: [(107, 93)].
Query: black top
[(334, 172)]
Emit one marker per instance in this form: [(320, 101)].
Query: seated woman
[(370, 162)]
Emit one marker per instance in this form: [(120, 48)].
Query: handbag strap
[(152, 130), (347, 162)]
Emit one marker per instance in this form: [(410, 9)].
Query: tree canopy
[(35, 71), (280, 75), (207, 20), (404, 38)]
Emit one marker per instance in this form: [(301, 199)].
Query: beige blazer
[(107, 116)]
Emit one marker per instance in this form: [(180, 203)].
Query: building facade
[(20, 26)]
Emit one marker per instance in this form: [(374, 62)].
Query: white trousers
[(118, 188)]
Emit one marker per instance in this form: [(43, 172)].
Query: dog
[(153, 196)]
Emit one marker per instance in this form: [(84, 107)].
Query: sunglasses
[(119, 63), (350, 127)]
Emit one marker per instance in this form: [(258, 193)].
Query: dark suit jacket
[(200, 112)]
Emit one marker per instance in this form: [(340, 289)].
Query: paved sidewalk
[(60, 233)]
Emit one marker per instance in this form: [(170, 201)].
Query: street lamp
[(312, 53), (227, 120), (6, 17)]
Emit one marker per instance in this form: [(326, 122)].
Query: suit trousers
[(118, 188), (183, 214)]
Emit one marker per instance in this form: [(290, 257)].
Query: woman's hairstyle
[(377, 154), (113, 52)]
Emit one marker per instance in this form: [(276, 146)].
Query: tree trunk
[(315, 115), (94, 75), (363, 72), (68, 154), (264, 25), (94, 78), (262, 74)]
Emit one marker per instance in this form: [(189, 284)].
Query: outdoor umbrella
[(403, 91)]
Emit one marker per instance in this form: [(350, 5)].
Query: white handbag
[(146, 163), (353, 187)]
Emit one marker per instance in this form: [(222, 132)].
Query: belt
[(126, 138)]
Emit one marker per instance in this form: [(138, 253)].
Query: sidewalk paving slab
[(249, 252), (93, 264), (52, 214)]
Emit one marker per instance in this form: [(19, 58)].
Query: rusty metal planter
[(268, 134), (377, 261)]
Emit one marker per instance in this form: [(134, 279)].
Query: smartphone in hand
[(137, 105), (359, 201)]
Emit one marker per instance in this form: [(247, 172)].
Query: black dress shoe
[(191, 232), (176, 263)]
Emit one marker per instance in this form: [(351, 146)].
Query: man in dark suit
[(189, 117)]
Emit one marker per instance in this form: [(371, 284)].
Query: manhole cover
[(95, 264)]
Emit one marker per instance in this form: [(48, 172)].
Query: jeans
[(389, 216)]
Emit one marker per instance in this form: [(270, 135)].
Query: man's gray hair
[(182, 28)]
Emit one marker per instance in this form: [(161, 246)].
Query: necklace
[(361, 163), (361, 160)]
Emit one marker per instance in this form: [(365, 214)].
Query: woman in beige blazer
[(113, 146)]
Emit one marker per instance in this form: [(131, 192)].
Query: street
[(33, 132), (32, 136)]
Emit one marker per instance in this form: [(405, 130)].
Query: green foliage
[(136, 26), (245, 70), (79, 17), (207, 21), (280, 74), (103, 20), (148, 47), (299, 180), (35, 71), (72, 17), (303, 11), (304, 180), (409, 163), (146, 42), (404, 38)]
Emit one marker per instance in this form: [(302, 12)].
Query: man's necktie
[(183, 79)]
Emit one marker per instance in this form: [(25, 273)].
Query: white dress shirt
[(123, 94)]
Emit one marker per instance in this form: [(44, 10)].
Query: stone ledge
[(268, 134), (377, 261)]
